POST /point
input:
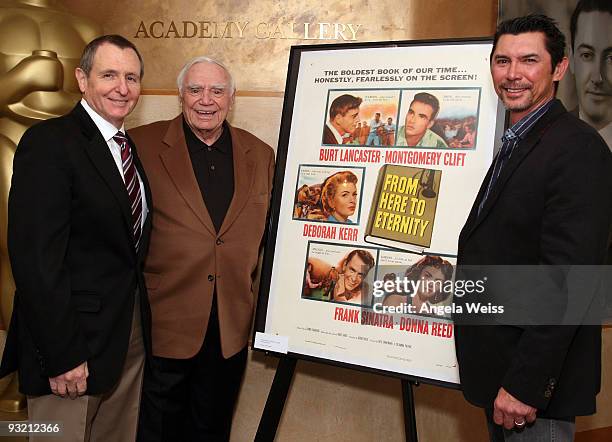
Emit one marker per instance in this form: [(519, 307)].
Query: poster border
[(272, 223)]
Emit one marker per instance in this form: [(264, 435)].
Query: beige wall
[(325, 402), (260, 63)]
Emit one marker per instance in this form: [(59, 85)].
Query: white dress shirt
[(108, 131)]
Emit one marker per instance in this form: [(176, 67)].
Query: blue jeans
[(542, 430), (373, 139)]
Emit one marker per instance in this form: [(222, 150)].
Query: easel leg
[(410, 427), (266, 432)]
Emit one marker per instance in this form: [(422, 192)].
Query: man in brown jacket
[(211, 185)]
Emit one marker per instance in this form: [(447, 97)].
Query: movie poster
[(383, 156)]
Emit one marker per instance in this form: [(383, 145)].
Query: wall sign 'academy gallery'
[(246, 29)]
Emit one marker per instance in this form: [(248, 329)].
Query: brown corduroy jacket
[(187, 258)]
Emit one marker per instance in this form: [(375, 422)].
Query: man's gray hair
[(202, 59)]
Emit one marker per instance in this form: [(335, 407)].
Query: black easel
[(268, 425), (410, 427), (276, 400)]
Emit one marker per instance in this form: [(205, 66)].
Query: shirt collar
[(194, 144), (107, 129), (524, 125)]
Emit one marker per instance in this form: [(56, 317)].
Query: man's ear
[(560, 69), (571, 60), (81, 78)]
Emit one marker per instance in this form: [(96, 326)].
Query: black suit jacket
[(72, 255), (550, 206)]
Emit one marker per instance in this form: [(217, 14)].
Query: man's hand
[(72, 383), (510, 412)]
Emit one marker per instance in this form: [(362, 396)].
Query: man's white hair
[(202, 59)]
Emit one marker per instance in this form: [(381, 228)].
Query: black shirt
[(214, 170)]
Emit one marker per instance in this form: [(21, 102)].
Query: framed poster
[(382, 150)]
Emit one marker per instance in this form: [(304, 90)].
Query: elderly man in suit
[(211, 185), (78, 232), (533, 377)]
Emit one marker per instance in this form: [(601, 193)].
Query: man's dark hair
[(89, 52), (342, 104), (553, 37), (587, 6), (431, 100), (364, 255)]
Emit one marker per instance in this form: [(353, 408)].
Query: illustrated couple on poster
[(350, 280)]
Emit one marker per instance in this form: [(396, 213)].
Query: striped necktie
[(132, 185)]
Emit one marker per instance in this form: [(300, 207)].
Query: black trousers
[(192, 399)]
